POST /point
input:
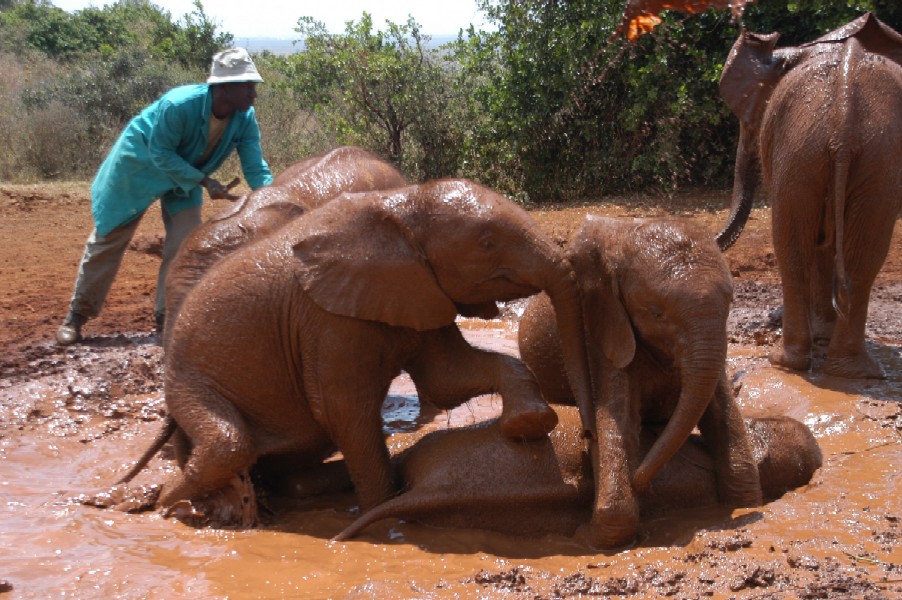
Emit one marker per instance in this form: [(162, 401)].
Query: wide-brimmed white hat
[(232, 66)]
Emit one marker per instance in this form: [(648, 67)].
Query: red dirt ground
[(44, 228)]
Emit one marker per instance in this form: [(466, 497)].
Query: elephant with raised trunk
[(822, 123), (287, 347), (656, 294), (475, 478), (299, 188)]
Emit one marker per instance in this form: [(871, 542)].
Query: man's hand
[(218, 191)]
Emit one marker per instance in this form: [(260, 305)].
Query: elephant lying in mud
[(822, 122), (286, 349), (656, 294), (475, 478), (301, 187)]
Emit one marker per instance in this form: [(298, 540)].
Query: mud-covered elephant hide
[(303, 186), (821, 124), (475, 478), (656, 294), (285, 350)]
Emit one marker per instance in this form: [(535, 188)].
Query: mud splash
[(70, 433)]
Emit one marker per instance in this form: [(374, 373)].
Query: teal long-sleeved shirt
[(156, 157)]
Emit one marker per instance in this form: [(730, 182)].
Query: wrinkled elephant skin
[(288, 345), (656, 295), (301, 187), (821, 124)]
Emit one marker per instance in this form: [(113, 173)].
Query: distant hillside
[(287, 45)]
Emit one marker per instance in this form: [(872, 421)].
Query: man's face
[(240, 96)]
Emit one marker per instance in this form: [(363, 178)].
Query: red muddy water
[(72, 420)]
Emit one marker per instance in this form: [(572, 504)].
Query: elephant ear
[(750, 75), (607, 320), (360, 262)]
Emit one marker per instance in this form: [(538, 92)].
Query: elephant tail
[(166, 432), (841, 165)]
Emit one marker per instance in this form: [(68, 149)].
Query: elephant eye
[(656, 312)]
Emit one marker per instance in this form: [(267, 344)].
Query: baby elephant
[(476, 478), (286, 349), (656, 294)]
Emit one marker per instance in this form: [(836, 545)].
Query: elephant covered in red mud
[(476, 478), (287, 347), (821, 125)]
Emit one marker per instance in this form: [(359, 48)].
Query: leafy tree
[(381, 89), (569, 113), (39, 25)]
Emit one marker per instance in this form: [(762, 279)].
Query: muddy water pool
[(841, 532)]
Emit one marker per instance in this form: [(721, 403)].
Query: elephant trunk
[(565, 298), (746, 175), (701, 367)]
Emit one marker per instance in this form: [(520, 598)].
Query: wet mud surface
[(72, 421)]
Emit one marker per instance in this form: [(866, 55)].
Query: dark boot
[(70, 331)]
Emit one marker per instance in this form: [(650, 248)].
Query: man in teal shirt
[(168, 151)]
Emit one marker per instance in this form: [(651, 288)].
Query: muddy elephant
[(301, 187), (656, 294), (822, 123), (288, 346), (475, 478)]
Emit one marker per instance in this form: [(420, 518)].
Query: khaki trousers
[(103, 255)]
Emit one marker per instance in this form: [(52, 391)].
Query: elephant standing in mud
[(656, 294), (287, 347), (301, 187), (475, 478), (823, 123)]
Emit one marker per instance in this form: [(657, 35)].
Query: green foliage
[(569, 113), (381, 89), (111, 63), (544, 107), (40, 26)]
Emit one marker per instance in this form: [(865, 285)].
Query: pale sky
[(277, 18)]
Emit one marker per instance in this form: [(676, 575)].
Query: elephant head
[(751, 73), (656, 295), (453, 246), (656, 288)]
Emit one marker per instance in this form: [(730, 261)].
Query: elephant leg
[(724, 432), (448, 371), (823, 315), (367, 458), (866, 247), (797, 214), (222, 445), (181, 446), (614, 453)]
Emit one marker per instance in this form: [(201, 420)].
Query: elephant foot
[(530, 423), (233, 505), (742, 492), (125, 499), (790, 360), (610, 531), (859, 366)]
